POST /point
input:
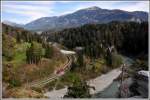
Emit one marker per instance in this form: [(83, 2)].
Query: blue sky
[(23, 12)]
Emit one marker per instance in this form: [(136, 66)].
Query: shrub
[(116, 60), (37, 89), (70, 77), (140, 65), (8, 47), (79, 89), (14, 83)]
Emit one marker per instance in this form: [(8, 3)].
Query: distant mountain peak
[(93, 8)]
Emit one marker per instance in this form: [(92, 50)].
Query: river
[(112, 90)]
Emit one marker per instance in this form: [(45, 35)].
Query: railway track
[(43, 82)]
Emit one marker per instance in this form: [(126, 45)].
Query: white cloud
[(133, 6), (27, 9), (36, 9), (139, 6), (31, 10)]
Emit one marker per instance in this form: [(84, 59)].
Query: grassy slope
[(20, 54), (23, 72)]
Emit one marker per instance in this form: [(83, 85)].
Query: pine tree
[(18, 38), (49, 51), (34, 53), (80, 89)]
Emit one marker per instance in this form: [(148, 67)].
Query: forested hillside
[(129, 38)]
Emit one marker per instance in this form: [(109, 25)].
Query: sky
[(23, 12)]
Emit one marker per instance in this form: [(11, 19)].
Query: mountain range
[(12, 24), (85, 16)]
